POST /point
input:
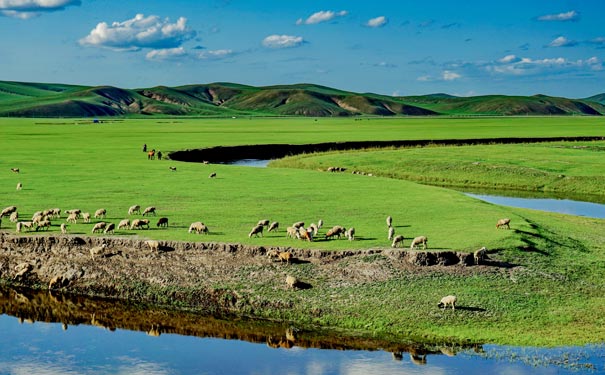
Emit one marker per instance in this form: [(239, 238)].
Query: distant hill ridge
[(26, 99)]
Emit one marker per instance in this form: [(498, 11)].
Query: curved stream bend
[(228, 154)]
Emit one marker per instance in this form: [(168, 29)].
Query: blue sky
[(398, 47)]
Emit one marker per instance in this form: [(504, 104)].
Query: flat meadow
[(554, 295)]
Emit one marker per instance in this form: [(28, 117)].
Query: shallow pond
[(54, 334)]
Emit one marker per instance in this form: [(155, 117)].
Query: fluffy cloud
[(166, 53), (562, 42), (377, 22), (513, 65), (215, 54), (139, 32), (30, 8), (321, 16), (450, 76), (572, 15), (282, 41)]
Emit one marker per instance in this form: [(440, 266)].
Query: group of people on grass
[(151, 154)]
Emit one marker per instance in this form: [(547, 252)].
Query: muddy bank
[(228, 154)]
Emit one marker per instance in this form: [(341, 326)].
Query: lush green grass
[(573, 168), (554, 296)]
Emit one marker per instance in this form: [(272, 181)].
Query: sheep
[(305, 234), (18, 227), (212, 175), (256, 231), (72, 218), (172, 169), (285, 256), (75, 211), (153, 245), (100, 213), (38, 217), (292, 232), (350, 234), (55, 213), (14, 217), (389, 221), (98, 227), (86, 217), (134, 209), (397, 240), (162, 222), (124, 224), (139, 223), (198, 227), (97, 250), (43, 224), (149, 210), (391, 233), (273, 227), (264, 223), (448, 300), (19, 186), (291, 281), (298, 224), (56, 282), (272, 254), (63, 228), (110, 228), (7, 211), (314, 228), (320, 224), (417, 241), (336, 230), (15, 170), (480, 255), (25, 225), (503, 223)]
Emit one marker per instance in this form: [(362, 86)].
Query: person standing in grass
[(159, 155)]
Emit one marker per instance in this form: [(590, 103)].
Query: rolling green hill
[(22, 99)]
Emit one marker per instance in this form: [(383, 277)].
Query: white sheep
[(417, 241), (391, 233), (100, 213), (124, 224), (139, 223), (314, 228), (480, 255), (292, 232), (55, 213), (198, 227), (273, 227), (27, 225), (305, 234), (7, 211), (72, 218), (212, 175), (336, 230), (505, 223), (110, 228), (397, 240), (350, 234), (320, 224), (153, 245), (75, 211), (14, 217), (389, 221), (149, 210), (264, 223), (43, 224), (86, 217), (258, 229), (448, 300), (97, 250), (298, 224), (291, 281), (19, 186), (63, 228), (134, 209), (98, 227)]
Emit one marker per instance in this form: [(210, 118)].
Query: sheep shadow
[(302, 285), (165, 249), (471, 308)]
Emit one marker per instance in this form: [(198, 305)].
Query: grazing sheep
[(336, 230), (391, 233), (291, 281), (212, 175), (273, 227), (305, 234), (320, 224), (134, 209), (285, 256), (397, 240), (480, 255), (14, 217), (389, 221), (38, 218), (110, 228), (7, 211), (417, 241), (124, 224), (139, 223), (503, 223), (86, 217), (43, 224), (314, 228), (97, 250), (272, 254), (172, 169), (149, 210), (198, 227), (56, 282), (75, 211), (55, 213), (162, 222), (63, 228), (72, 218), (18, 227), (98, 227), (292, 232), (100, 213), (256, 231), (448, 300), (37, 214), (298, 224), (350, 234), (19, 186), (153, 245), (264, 223), (15, 170)]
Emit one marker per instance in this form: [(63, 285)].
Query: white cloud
[(377, 22), (139, 32), (562, 42), (450, 76), (321, 16), (166, 53), (215, 54), (25, 9), (425, 78), (528, 66), (508, 59), (282, 41), (572, 15)]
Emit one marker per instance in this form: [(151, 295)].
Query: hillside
[(21, 99)]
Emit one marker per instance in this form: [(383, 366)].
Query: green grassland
[(553, 296)]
